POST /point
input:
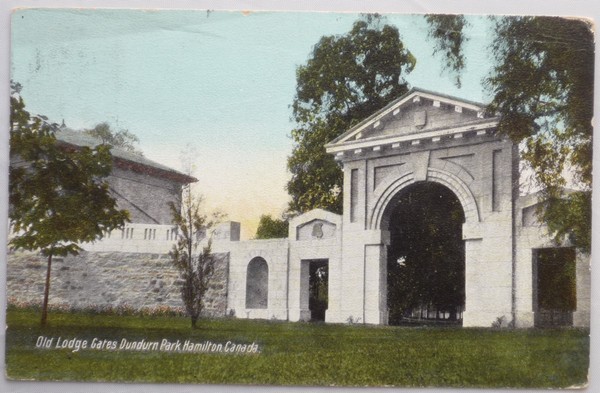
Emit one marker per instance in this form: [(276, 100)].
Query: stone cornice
[(357, 145), (414, 95)]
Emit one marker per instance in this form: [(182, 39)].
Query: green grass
[(300, 353)]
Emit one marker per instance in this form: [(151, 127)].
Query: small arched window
[(257, 284)]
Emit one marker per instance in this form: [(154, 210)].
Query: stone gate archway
[(425, 256), (420, 138), (428, 137), (378, 220)]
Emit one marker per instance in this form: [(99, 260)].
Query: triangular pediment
[(418, 112)]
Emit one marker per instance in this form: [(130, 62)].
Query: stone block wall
[(531, 234), (103, 279), (275, 253), (215, 300), (145, 196)]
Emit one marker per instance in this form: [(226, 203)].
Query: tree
[(346, 79), (58, 196), (271, 228), (542, 86), (122, 139), (195, 268), (446, 31)]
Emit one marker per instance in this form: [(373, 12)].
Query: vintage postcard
[(299, 198)]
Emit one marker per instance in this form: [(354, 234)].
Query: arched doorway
[(257, 284), (426, 255)]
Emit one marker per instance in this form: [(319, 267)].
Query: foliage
[(302, 354), (543, 87), (271, 228), (58, 194), (121, 309), (542, 84), (122, 139), (447, 33), (502, 322), (426, 259), (195, 268), (345, 80), (570, 217)]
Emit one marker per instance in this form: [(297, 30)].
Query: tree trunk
[(46, 292)]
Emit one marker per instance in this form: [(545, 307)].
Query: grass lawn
[(298, 353)]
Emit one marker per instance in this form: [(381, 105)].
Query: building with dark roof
[(141, 186), (144, 188), (129, 267)]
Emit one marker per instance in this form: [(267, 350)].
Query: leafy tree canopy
[(58, 195), (345, 79), (271, 228), (122, 139), (446, 32), (542, 86)]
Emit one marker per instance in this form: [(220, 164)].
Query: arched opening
[(257, 284), (426, 255)]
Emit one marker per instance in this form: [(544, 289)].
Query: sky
[(216, 85)]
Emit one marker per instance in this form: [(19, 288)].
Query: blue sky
[(218, 84)]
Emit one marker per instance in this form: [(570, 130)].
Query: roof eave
[(137, 166)]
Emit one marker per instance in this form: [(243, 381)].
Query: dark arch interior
[(426, 256), (257, 284)]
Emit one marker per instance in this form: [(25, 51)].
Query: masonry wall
[(101, 279), (532, 234), (275, 254), (315, 235), (146, 197), (479, 170)]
